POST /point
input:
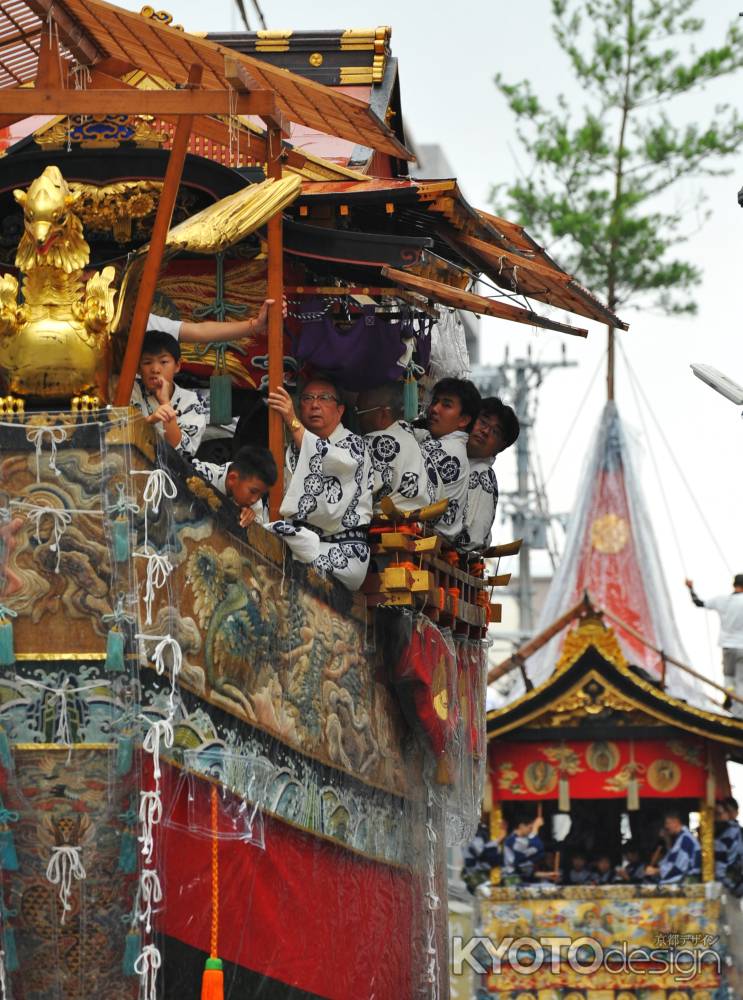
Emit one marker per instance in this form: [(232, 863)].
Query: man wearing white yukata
[(329, 479), (496, 428), (400, 471), (454, 406)]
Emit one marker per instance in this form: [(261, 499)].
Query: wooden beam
[(495, 254), (152, 264), (517, 659), (252, 146), (51, 71), (58, 101), (275, 239), (455, 297), (73, 37), (240, 79)]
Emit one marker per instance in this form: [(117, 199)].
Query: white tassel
[(150, 892), (61, 520), (150, 814), (159, 485), (146, 966), (159, 569), (35, 435), (160, 729), (64, 865)]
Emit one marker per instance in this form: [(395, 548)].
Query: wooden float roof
[(100, 35), (593, 676), (501, 250)]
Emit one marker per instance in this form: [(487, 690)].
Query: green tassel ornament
[(6, 760), (120, 538), (132, 948), (410, 394), (8, 855), (120, 527), (7, 651), (116, 638), (115, 651), (124, 755)]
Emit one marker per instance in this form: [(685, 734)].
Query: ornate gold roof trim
[(591, 634)]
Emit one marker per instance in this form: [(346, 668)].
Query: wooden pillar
[(151, 271), (707, 840), (610, 364), (495, 815), (275, 291)]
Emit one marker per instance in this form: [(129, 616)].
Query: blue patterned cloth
[(729, 853), (684, 860), (521, 855)]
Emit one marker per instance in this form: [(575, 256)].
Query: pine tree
[(600, 168)]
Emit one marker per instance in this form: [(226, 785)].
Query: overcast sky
[(448, 54)]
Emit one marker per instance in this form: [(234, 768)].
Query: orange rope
[(215, 876)]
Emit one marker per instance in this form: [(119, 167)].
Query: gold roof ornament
[(54, 342), (591, 631), (100, 132)]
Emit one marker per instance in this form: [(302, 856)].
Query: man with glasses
[(400, 471), (328, 483), (496, 428)]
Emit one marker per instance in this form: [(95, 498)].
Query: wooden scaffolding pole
[(151, 270), (275, 319)]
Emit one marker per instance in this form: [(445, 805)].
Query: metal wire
[(676, 463)]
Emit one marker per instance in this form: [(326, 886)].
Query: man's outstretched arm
[(694, 595)]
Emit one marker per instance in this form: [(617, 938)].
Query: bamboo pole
[(151, 270), (275, 321), (517, 659)]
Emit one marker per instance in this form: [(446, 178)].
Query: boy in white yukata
[(178, 414), (453, 410), (329, 481), (245, 480), (400, 471), (496, 428)]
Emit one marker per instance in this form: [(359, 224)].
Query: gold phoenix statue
[(56, 344)]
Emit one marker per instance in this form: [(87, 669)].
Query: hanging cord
[(159, 485), (165, 642), (122, 504), (676, 463), (214, 935), (56, 434), (146, 966), (150, 892), (64, 865), (160, 729), (219, 307), (669, 515), (159, 569), (571, 428)]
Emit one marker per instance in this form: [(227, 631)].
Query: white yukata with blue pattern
[(482, 500), (400, 470), (448, 456), (190, 412), (328, 494)]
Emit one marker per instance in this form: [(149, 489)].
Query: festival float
[(607, 724), (222, 771)]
